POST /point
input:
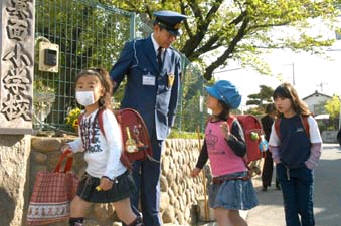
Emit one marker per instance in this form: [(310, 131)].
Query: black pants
[(268, 170)]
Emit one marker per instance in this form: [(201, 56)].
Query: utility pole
[(339, 113), (293, 73)]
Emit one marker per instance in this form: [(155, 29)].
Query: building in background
[(316, 102)]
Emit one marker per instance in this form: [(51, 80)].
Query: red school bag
[(250, 126), (133, 129)]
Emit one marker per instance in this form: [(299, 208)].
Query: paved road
[(327, 200)]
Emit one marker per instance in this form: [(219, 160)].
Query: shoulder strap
[(277, 127), (229, 121), (100, 121), (305, 124), (80, 117)]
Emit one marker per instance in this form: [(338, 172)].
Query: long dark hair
[(225, 113), (286, 90), (103, 75)]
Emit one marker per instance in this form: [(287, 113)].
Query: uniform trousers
[(146, 175)]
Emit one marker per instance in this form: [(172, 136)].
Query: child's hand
[(65, 148), (195, 172), (106, 184), (225, 130)]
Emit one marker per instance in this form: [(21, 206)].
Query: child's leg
[(125, 212), (221, 217), (304, 188), (78, 209), (235, 218), (289, 195)]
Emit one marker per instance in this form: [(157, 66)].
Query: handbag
[(52, 194)]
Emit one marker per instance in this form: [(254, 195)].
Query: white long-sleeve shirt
[(103, 155)]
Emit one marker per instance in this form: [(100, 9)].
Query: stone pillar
[(16, 79), (16, 66)]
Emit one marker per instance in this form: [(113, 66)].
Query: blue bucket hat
[(225, 91)]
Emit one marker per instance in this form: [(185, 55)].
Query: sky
[(307, 72)]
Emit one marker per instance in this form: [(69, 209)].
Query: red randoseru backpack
[(130, 118), (249, 124)]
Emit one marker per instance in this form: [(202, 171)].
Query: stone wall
[(14, 158), (178, 190)]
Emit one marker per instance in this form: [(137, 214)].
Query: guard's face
[(163, 37)]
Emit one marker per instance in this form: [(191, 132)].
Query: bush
[(72, 118), (184, 135)]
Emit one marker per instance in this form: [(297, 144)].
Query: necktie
[(159, 57)]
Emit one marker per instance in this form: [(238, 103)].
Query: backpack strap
[(80, 117), (277, 127), (305, 123), (306, 126), (124, 158), (100, 121), (229, 121)]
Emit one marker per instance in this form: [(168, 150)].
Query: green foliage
[(88, 35), (240, 29), (255, 111), (261, 98), (333, 107), (176, 134)]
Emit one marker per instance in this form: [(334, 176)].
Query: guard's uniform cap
[(225, 91), (169, 20)]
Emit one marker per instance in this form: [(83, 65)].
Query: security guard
[(153, 72)]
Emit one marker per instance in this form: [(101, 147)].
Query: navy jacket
[(156, 101), (295, 144)]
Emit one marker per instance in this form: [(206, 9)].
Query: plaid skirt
[(122, 188), (233, 194)]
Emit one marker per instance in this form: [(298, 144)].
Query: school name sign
[(16, 66)]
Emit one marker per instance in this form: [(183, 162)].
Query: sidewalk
[(327, 195), (270, 210)]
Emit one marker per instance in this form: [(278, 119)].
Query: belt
[(220, 180)]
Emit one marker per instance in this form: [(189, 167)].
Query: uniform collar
[(156, 45)]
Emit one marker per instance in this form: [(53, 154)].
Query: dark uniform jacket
[(152, 92)]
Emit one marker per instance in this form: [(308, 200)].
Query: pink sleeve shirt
[(222, 159)]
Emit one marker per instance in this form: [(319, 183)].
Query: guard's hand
[(195, 172), (225, 130), (106, 184), (65, 148)]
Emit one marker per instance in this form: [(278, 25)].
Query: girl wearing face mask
[(106, 179)]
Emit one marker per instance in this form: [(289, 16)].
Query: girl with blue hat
[(224, 146)]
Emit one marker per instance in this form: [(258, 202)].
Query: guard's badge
[(170, 80)]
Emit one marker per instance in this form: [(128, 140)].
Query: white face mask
[(85, 98)]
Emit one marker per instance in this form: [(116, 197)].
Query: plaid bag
[(52, 193)]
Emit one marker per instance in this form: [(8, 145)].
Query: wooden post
[(203, 179)]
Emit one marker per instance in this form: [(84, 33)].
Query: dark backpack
[(132, 128)]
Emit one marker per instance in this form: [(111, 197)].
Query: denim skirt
[(233, 194), (122, 188)]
